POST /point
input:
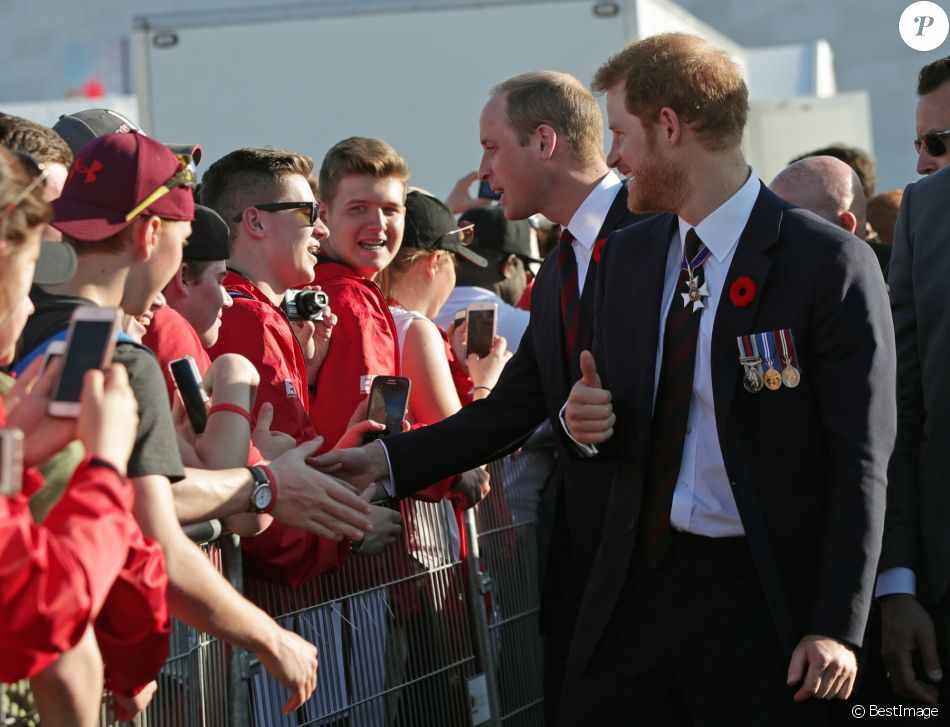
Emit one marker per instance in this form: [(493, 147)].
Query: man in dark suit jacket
[(542, 135), (742, 378), (915, 560)]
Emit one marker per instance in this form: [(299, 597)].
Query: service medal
[(752, 379), (772, 378), (790, 376)]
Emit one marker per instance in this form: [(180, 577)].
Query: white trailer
[(416, 73), (413, 73)]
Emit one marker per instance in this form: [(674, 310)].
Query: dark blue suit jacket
[(807, 465), (533, 386)]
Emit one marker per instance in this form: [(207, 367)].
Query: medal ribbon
[(789, 354)]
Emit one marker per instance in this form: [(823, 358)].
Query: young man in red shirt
[(363, 185)]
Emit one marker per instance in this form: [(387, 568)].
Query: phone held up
[(486, 192), (90, 344), (187, 379), (482, 320), (388, 401), (11, 462)]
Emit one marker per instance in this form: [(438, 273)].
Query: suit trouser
[(690, 643)]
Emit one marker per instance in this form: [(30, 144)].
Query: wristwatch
[(261, 495)]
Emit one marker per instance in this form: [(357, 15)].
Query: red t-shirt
[(364, 345), (258, 330), (170, 336)]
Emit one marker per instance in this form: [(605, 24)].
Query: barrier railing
[(440, 629)]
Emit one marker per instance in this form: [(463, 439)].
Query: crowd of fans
[(95, 214)]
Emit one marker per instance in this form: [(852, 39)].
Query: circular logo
[(924, 25), (857, 711)]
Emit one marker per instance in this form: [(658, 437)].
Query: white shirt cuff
[(896, 580), (387, 483), (585, 450)]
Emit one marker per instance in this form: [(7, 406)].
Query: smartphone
[(11, 462), (188, 382), (55, 350), (482, 319), (388, 400), (486, 192), (90, 344)]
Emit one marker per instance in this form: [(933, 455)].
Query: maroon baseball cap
[(110, 177)]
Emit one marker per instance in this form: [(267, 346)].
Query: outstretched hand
[(589, 413), (360, 466)]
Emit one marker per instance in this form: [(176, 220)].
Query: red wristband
[(234, 409), (272, 478)]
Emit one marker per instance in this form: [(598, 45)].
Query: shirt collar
[(590, 216), (720, 230)]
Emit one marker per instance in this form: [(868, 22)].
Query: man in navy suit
[(742, 378), (542, 136)]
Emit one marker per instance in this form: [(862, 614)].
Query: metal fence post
[(239, 705), (479, 584)]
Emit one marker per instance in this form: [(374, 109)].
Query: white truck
[(417, 74)]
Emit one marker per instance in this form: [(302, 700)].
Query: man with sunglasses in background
[(265, 197), (913, 587), (933, 117)]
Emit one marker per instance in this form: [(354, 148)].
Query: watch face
[(262, 497)]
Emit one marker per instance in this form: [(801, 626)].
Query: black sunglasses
[(933, 143), (312, 209)]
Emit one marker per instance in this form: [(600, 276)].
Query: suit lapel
[(750, 261)]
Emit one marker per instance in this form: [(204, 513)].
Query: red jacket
[(364, 345), (258, 330), (60, 576)]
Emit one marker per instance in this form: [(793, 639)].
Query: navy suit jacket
[(807, 465), (533, 386)]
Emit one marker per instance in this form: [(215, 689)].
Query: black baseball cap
[(430, 225), (497, 235), (209, 239), (80, 128)]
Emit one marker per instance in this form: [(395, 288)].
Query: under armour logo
[(89, 171)]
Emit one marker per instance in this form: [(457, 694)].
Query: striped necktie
[(671, 409)]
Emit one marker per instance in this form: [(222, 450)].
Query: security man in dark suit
[(742, 377)]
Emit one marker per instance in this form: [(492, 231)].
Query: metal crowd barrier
[(440, 630)]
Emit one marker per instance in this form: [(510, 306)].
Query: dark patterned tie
[(570, 301), (671, 409)]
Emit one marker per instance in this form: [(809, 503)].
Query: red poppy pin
[(742, 292), (598, 246)]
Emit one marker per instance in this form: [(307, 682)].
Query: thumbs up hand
[(589, 413)]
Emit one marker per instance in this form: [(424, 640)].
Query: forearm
[(200, 596), (207, 494), (197, 593)]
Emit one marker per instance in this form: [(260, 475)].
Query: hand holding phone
[(388, 401), (187, 379), (481, 322), (90, 344)]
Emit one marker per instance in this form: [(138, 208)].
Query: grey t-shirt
[(156, 444)]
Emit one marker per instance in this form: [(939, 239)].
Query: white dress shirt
[(702, 499), (587, 221)]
